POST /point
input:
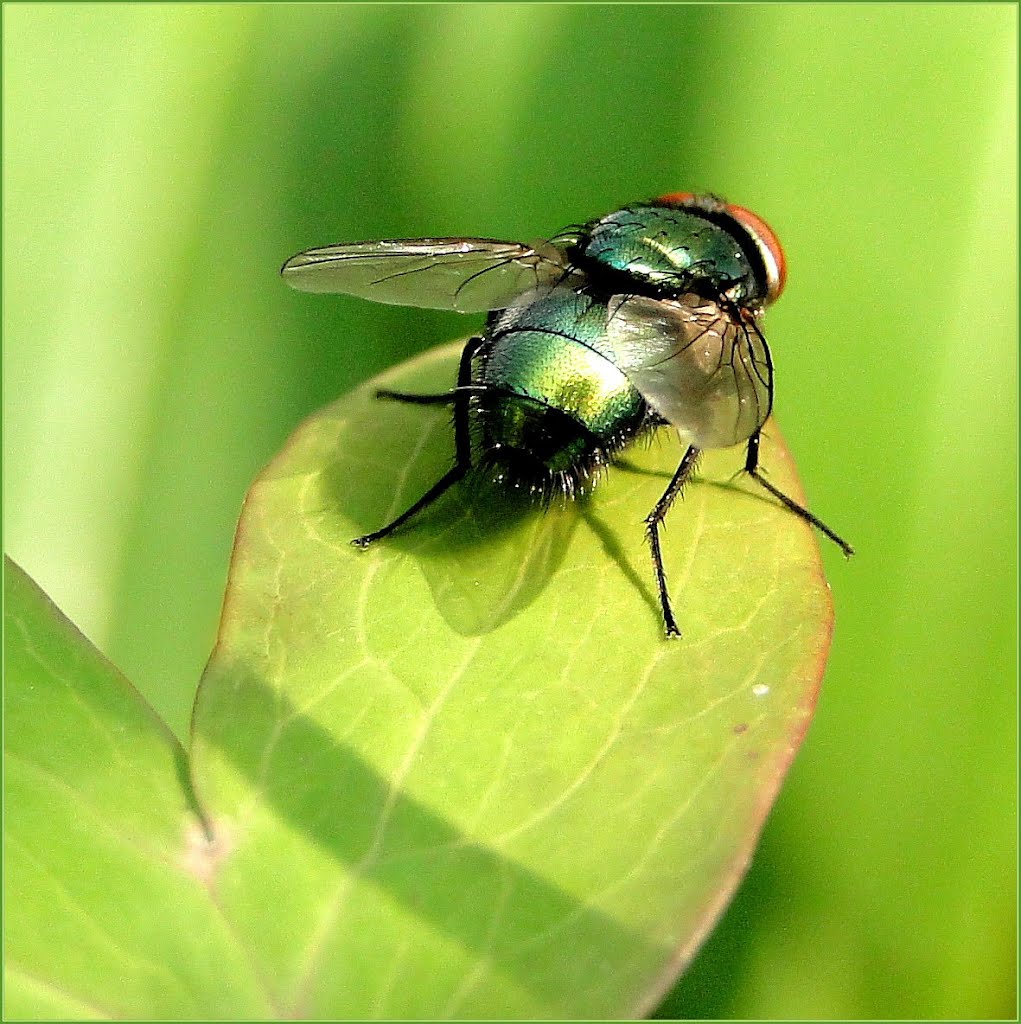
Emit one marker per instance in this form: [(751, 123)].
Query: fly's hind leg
[(751, 467), (462, 441)]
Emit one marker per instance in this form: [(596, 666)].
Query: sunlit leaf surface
[(463, 773)]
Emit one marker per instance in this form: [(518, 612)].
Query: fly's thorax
[(554, 398), (666, 250)]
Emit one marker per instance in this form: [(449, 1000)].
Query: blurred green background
[(160, 162)]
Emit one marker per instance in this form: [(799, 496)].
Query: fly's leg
[(751, 467), (652, 523), (446, 398), (462, 441)]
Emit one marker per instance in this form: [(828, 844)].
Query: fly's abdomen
[(556, 407)]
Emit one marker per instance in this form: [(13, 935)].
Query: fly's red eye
[(677, 197), (769, 246)]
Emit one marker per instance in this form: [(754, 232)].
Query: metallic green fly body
[(648, 316)]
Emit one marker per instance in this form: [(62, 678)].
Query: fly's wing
[(464, 274), (703, 368)]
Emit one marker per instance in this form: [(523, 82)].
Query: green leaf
[(463, 773), (105, 910)]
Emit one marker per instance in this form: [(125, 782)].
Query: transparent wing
[(703, 368), (464, 274)]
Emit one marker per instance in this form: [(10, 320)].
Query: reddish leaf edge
[(815, 668)]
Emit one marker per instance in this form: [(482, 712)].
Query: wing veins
[(702, 365)]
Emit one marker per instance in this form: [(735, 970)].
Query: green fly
[(648, 316)]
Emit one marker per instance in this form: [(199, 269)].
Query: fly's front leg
[(652, 524), (462, 441), (751, 467)]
